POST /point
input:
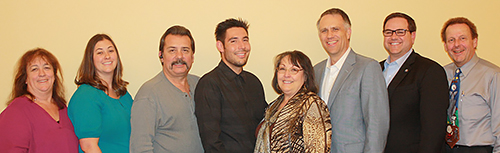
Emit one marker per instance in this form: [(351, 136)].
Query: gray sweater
[(163, 118)]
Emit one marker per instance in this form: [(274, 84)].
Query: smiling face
[(177, 56), (396, 45), (105, 58), (236, 48), (459, 44), (40, 77), (334, 35), (290, 77)]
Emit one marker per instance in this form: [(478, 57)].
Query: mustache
[(179, 61)]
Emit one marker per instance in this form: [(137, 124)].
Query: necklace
[(35, 100)]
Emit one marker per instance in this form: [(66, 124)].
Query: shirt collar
[(399, 61), (228, 72), (467, 67), (340, 62)]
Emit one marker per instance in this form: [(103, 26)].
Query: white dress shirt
[(331, 73)]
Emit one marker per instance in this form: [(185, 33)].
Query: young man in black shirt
[(229, 101)]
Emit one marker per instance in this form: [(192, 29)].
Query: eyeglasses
[(291, 71), (399, 32)]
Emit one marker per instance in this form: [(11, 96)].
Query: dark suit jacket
[(418, 98)]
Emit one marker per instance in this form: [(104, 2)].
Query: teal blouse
[(96, 115)]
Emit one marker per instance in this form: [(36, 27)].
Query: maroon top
[(27, 127)]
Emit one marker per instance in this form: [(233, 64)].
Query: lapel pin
[(406, 70)]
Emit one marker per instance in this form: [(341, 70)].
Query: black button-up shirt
[(229, 107)]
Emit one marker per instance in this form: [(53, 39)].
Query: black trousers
[(469, 149)]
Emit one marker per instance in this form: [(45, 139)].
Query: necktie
[(452, 131)]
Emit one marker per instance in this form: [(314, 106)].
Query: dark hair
[(459, 20), (411, 23), (220, 30), (338, 11), (176, 30), (20, 87), (87, 72), (298, 59)]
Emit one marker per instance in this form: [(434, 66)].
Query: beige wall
[(64, 27)]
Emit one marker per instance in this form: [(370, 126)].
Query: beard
[(238, 63), (232, 59)]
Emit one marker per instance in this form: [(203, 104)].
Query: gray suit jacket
[(358, 104)]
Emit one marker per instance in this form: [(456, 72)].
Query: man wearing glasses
[(418, 91)]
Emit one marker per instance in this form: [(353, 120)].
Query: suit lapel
[(320, 73), (342, 76), (402, 72)]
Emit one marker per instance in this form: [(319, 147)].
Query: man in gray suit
[(353, 88)]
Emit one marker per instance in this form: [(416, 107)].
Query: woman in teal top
[(100, 107)]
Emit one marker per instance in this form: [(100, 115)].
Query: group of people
[(347, 103)]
